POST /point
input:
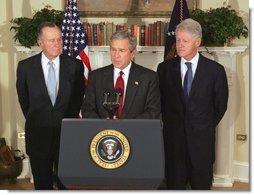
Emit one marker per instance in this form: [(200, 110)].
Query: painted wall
[(243, 107), (11, 118)]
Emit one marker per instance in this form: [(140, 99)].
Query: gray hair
[(190, 26), (44, 25), (120, 35)]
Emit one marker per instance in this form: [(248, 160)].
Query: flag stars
[(74, 39), (172, 33)]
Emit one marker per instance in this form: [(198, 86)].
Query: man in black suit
[(194, 95), (43, 112), (141, 94)]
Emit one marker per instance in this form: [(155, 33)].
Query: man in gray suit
[(45, 102), (139, 96)]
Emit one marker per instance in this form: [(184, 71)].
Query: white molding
[(26, 171), (24, 49), (240, 174), (234, 48), (222, 181), (241, 171)]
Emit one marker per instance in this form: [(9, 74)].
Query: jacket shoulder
[(102, 69), (142, 69), (210, 63), (70, 59), (29, 63), (170, 63), (30, 59)]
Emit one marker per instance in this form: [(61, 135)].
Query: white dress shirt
[(194, 62), (45, 67)]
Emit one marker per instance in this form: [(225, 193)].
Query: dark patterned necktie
[(187, 80), (120, 84)]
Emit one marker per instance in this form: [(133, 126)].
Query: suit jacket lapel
[(199, 76), (177, 79), (108, 82), (39, 75), (63, 78), (132, 87)]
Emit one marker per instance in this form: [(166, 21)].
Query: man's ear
[(198, 42), (133, 53), (38, 42)]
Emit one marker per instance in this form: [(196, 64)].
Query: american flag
[(74, 37), (180, 12)]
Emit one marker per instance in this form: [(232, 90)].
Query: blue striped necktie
[(187, 80)]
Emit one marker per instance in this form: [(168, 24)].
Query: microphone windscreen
[(106, 92), (118, 91)]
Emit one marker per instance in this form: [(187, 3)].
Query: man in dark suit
[(194, 95), (43, 109), (140, 93)]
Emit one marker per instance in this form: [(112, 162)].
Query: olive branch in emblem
[(103, 153)]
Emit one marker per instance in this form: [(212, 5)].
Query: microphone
[(119, 93), (105, 95)]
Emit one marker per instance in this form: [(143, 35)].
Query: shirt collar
[(126, 70), (45, 60), (194, 60)]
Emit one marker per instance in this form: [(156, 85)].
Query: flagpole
[(179, 13)]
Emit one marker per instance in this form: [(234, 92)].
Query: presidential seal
[(109, 149)]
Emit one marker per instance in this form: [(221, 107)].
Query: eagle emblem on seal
[(109, 149)]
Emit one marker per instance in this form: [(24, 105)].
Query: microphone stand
[(111, 107)]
